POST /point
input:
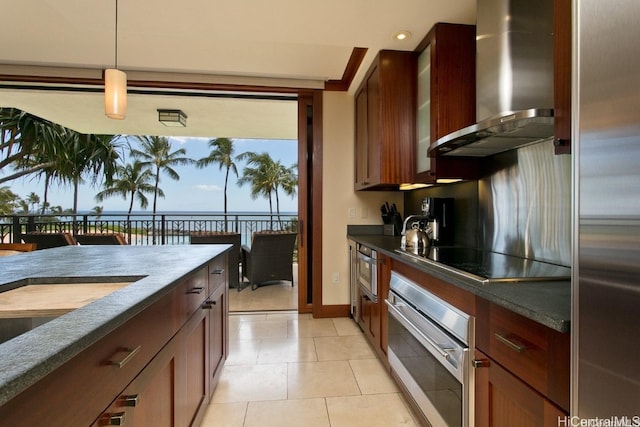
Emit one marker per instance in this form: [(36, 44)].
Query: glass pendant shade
[(115, 94)]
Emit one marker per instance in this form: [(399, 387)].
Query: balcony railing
[(147, 229)]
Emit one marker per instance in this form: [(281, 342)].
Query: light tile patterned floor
[(290, 370)]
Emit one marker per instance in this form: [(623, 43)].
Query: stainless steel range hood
[(514, 80)]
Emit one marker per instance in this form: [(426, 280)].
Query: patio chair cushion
[(46, 240), (102, 239)]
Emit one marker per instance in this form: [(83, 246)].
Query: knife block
[(392, 224)]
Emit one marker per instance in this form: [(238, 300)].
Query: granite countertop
[(29, 357), (546, 302)]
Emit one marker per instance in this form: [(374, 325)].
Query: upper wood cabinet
[(446, 98), (385, 122), (562, 75)]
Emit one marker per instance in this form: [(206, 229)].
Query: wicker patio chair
[(216, 237), (45, 240), (269, 259), (102, 239)]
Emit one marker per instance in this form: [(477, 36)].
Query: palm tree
[(131, 180), (33, 200), (97, 211), (221, 154), (156, 153), (22, 137), (92, 155), (262, 173), (288, 181), (8, 201), (31, 144)]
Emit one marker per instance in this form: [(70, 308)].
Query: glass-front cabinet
[(423, 118), (446, 98)]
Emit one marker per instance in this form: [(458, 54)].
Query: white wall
[(339, 197)]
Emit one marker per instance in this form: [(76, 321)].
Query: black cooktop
[(490, 267)]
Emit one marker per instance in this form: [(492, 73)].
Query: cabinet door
[(373, 128), (370, 315), (193, 387), (217, 337), (423, 117), (562, 75), (361, 154), (502, 400), (446, 98), (385, 122), (148, 400), (367, 153), (384, 277)]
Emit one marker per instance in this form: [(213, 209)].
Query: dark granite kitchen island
[(153, 270)]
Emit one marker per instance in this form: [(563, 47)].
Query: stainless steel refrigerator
[(606, 160)]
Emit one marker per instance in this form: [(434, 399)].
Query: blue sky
[(197, 189)]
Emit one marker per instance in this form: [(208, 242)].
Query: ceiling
[(276, 43)]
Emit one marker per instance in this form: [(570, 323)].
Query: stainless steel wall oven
[(429, 353), (366, 271)]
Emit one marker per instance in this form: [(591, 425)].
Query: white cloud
[(208, 187)]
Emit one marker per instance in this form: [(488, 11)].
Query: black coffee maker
[(439, 214)]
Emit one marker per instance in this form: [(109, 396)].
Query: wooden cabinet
[(159, 368), (446, 99), (524, 375), (148, 400), (385, 122), (373, 315), (218, 343), (384, 277), (562, 75), (370, 316), (504, 400), (192, 364)]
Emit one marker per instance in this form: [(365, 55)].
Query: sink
[(31, 302)]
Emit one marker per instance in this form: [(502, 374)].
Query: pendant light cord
[(116, 36)]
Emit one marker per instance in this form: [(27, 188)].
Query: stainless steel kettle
[(415, 239)]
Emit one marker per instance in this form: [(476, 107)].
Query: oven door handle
[(407, 323), (362, 257)]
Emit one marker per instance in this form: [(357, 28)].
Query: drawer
[(192, 293), (538, 355), (76, 392), (218, 272)]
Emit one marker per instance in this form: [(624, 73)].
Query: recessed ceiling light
[(402, 35)]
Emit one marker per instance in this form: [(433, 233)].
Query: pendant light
[(115, 86)]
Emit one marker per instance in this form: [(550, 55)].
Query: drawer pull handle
[(208, 305), (196, 290), (218, 272), (130, 400), (130, 353), (480, 363), (511, 344), (116, 419)]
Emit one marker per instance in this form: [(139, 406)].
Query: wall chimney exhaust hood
[(514, 80)]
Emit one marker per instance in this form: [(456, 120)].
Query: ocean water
[(188, 215), (178, 224)]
